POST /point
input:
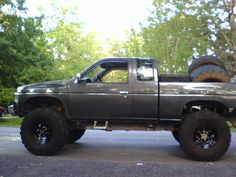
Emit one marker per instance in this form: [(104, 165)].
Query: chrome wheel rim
[(41, 133), (205, 137)]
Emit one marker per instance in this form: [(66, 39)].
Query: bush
[(6, 95)]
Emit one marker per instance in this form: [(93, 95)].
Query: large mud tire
[(204, 136), (205, 60), (209, 73), (44, 131)]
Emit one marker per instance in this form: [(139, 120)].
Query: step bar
[(99, 126)]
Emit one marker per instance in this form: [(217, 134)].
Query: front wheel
[(44, 131), (204, 136)]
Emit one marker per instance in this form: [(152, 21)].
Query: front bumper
[(18, 104)]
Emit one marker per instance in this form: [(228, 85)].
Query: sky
[(108, 18)]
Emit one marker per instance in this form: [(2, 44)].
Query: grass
[(10, 122)]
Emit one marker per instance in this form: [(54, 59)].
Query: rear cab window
[(145, 71)]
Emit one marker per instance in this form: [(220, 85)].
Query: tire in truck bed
[(209, 73), (205, 60)]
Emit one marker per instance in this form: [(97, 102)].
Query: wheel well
[(214, 106), (38, 102)]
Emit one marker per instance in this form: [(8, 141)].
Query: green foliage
[(23, 49), (30, 54), (175, 41), (73, 51), (178, 31), (6, 95), (10, 122), (218, 16), (130, 48)]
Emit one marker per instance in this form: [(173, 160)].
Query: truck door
[(145, 89), (103, 91)]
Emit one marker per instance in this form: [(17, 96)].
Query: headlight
[(16, 98), (19, 89)]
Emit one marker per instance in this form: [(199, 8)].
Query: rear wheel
[(44, 131), (75, 134), (204, 136)]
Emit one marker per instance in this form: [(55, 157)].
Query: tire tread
[(62, 131), (185, 129)]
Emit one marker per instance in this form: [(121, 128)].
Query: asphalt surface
[(111, 154)]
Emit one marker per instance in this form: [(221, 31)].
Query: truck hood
[(44, 87)]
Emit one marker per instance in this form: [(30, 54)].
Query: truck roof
[(124, 58)]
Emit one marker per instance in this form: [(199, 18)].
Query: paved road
[(111, 154)]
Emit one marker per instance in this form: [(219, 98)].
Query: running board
[(98, 125)]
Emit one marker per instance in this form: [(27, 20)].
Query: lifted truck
[(128, 94)]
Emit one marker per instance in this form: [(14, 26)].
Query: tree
[(220, 18), (172, 39), (132, 47), (177, 31), (23, 52), (175, 41), (72, 49)]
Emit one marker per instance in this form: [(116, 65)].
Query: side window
[(94, 73), (145, 70), (108, 72), (118, 74)]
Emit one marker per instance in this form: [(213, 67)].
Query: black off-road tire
[(209, 73), (175, 134), (75, 134), (44, 131), (204, 136), (205, 60)]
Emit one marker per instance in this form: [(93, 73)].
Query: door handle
[(124, 93)]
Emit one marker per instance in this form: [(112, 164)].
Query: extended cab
[(128, 94)]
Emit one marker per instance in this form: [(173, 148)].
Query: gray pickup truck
[(128, 94)]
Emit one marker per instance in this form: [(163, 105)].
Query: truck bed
[(174, 78)]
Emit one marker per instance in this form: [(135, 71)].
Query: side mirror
[(78, 75), (83, 80), (78, 78)]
